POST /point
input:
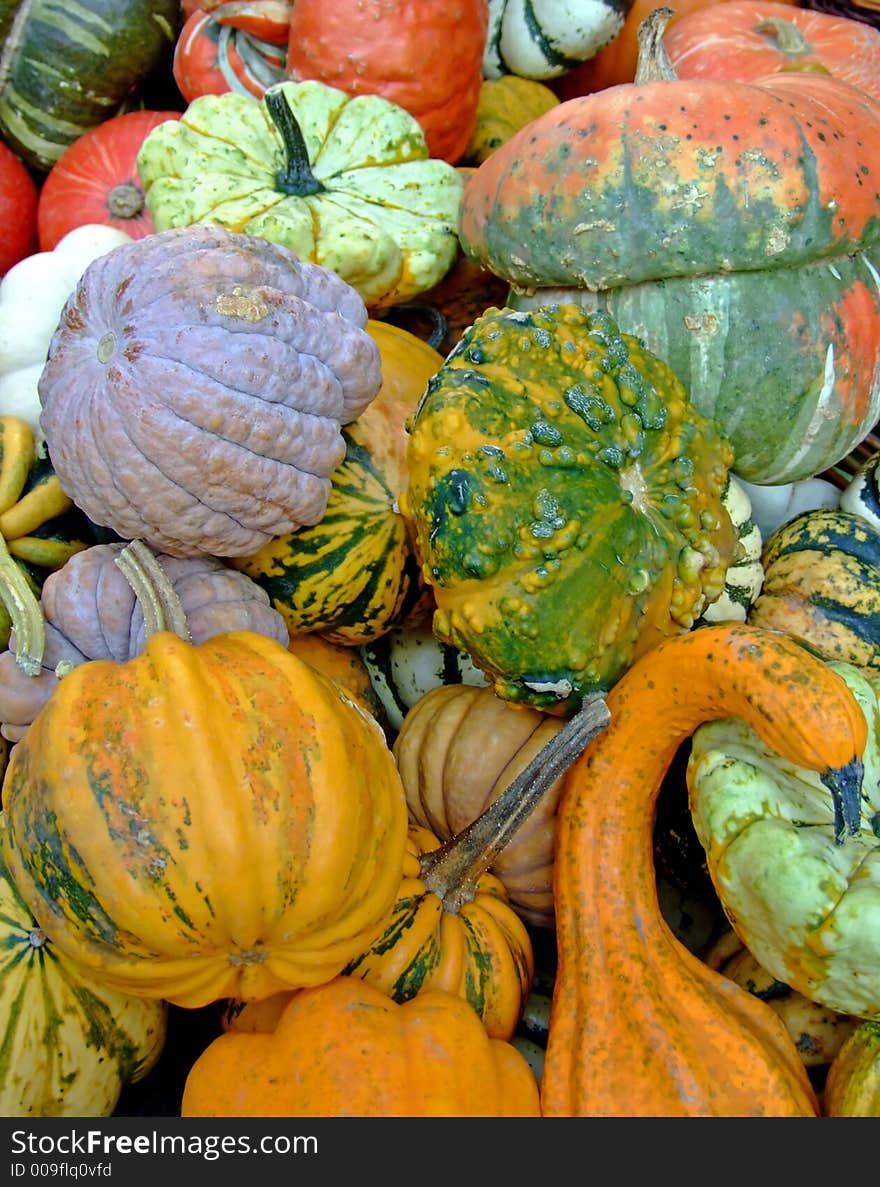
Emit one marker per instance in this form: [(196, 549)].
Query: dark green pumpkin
[(65, 68), (822, 584), (566, 501)]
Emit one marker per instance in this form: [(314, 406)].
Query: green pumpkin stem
[(296, 177), (452, 871), (157, 597), (25, 613), (787, 37), (654, 63)]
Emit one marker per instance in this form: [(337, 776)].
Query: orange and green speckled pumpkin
[(567, 502), (732, 226), (205, 821), (345, 1049)]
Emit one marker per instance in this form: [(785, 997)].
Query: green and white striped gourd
[(546, 38)]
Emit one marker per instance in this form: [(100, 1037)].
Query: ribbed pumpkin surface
[(205, 821), (68, 1044), (567, 502), (822, 583)]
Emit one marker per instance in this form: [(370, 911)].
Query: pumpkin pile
[(439, 547)]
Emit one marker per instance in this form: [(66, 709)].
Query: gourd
[(566, 502), (344, 1048), (32, 296), (97, 62), (822, 583), (852, 1087), (342, 664), (354, 576), (745, 576), (18, 209), (202, 411), (90, 612), (772, 506), (795, 869), (544, 39), (224, 48), (346, 182), (425, 58), (505, 105), (861, 495), (639, 1024), (408, 662), (96, 181), (70, 1043), (250, 846), (727, 264), (749, 39)]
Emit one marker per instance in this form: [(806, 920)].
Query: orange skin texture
[(18, 210), (345, 1049), (638, 1024), (425, 57), (730, 43)]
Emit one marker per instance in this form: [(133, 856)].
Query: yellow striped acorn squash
[(567, 502), (822, 584), (68, 1042), (353, 576)]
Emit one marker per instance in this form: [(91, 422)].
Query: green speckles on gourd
[(589, 406), (546, 434)]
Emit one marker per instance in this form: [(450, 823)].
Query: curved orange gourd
[(639, 1025)]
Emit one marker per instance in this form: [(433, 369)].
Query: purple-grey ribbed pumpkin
[(91, 612), (195, 389)]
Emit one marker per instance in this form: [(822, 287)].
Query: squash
[(18, 210), (253, 832), (861, 494), (566, 501), (822, 584), (344, 182), (543, 39), (354, 576), (639, 1025), (505, 105), (745, 576), (342, 664), (219, 50), (96, 180), (772, 506), (344, 1048), (90, 612), (425, 58), (726, 264), (795, 869), (97, 62), (70, 1044), (202, 410), (749, 39), (852, 1087), (32, 296)]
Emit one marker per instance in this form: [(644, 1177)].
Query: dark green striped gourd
[(547, 40), (68, 1044), (68, 65), (822, 584), (862, 494)]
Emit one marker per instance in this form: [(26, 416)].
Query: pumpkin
[(345, 1048), (70, 1044), (506, 104), (344, 182), (342, 664), (640, 1025), (97, 63), (795, 870), (566, 500), (407, 662), (353, 576), (32, 295), (18, 210), (40, 529), (852, 1086), (817, 1032), (822, 583), (91, 612), (544, 38), (727, 263), (250, 846), (96, 181), (216, 52), (425, 58), (749, 39), (202, 410)]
